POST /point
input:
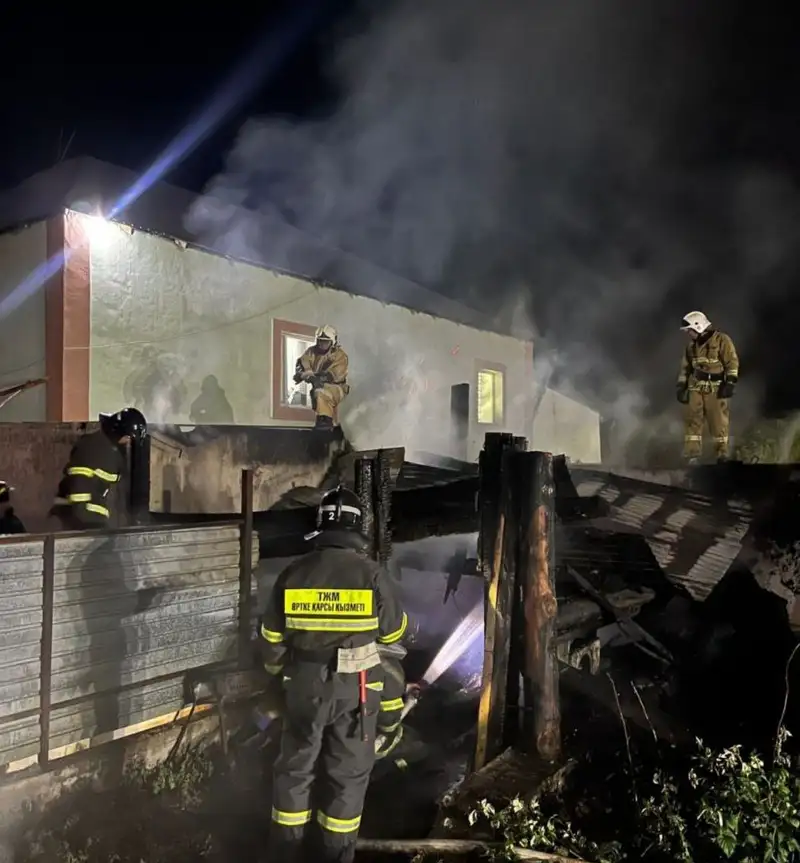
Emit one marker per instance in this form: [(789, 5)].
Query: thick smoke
[(552, 155)]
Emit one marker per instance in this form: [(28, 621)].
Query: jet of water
[(456, 645)]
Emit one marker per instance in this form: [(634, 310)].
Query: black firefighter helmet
[(129, 422), (340, 509)]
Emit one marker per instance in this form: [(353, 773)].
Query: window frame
[(281, 329), (489, 366)]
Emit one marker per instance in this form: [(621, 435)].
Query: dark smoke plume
[(554, 155)]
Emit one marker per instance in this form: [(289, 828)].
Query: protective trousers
[(327, 398), (324, 764), (705, 407)]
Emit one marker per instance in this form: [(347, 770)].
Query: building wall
[(22, 323), (166, 314), (563, 425)]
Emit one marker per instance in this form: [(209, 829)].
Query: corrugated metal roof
[(20, 634), (695, 538)]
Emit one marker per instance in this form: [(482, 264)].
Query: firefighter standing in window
[(96, 462), (9, 522), (708, 376), (324, 366), (327, 614)]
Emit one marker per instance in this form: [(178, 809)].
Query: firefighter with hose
[(95, 464), (325, 622)]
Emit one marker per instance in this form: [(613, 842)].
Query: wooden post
[(365, 470), (496, 526), (541, 733), (246, 565), (490, 463)]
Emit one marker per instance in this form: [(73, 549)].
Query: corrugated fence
[(132, 612)]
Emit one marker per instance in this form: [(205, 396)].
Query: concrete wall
[(563, 425), (161, 310), (201, 471), (22, 328)]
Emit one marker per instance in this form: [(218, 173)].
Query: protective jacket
[(328, 368), (94, 465), (326, 615), (708, 361)]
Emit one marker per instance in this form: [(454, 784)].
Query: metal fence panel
[(21, 574), (132, 613)]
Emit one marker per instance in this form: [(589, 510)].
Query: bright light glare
[(99, 230)]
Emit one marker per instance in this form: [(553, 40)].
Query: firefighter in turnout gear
[(707, 380), (96, 462), (324, 367), (9, 522), (327, 614)]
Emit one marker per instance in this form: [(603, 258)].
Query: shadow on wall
[(156, 385), (211, 405), (116, 639)]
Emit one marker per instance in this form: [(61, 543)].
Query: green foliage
[(183, 776), (715, 807)]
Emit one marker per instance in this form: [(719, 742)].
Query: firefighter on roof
[(327, 614), (324, 367), (707, 379), (95, 464)]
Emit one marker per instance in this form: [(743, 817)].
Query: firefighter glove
[(682, 394), (315, 381), (726, 389)]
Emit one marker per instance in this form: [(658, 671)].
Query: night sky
[(119, 83), (125, 83)]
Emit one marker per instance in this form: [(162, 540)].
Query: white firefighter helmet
[(327, 332), (696, 322)]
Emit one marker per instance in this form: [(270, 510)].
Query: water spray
[(456, 645)]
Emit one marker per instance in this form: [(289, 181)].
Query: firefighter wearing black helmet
[(95, 464), (327, 614)]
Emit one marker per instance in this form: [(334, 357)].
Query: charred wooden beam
[(365, 469), (536, 567), (496, 520), (382, 491)]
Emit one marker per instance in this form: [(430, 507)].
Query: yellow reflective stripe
[(397, 634), (79, 498), (338, 825), (100, 510), (392, 704), (693, 437), (80, 471), (376, 687), (387, 729), (270, 636), (291, 819), (92, 473), (327, 602), (321, 624), (273, 669)]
